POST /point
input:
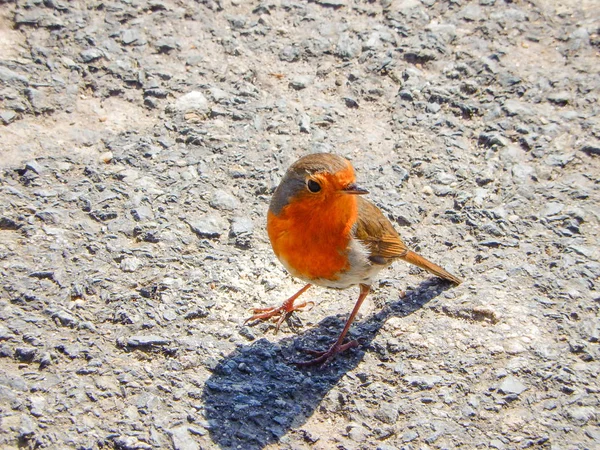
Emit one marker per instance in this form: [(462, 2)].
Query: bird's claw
[(279, 314), (323, 358)]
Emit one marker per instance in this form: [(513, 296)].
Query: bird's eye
[(313, 186)]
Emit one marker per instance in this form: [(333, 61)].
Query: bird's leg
[(282, 312), (323, 357)]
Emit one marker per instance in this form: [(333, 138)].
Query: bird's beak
[(354, 190)]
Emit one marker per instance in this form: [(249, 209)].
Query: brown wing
[(384, 243), (378, 234)]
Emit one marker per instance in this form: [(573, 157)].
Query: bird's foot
[(323, 358), (279, 314)]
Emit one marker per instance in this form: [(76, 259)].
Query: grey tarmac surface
[(141, 141)]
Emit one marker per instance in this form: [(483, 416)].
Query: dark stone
[(350, 102), (25, 354), (103, 216), (91, 55), (147, 341), (591, 149), (7, 223)]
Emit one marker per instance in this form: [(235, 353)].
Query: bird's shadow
[(257, 394)]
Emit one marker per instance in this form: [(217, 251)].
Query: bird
[(326, 233)]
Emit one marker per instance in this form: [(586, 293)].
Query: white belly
[(361, 271)]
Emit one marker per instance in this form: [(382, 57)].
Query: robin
[(324, 232)]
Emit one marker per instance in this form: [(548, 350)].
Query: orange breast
[(311, 238)]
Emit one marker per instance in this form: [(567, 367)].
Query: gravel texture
[(141, 141)]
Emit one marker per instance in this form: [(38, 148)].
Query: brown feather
[(384, 242), (377, 233), (423, 263)]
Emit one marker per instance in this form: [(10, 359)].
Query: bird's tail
[(418, 260)]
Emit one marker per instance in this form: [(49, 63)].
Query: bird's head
[(316, 180)]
